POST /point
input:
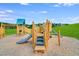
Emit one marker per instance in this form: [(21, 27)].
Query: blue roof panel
[(21, 21)]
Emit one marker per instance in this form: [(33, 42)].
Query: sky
[(39, 12)]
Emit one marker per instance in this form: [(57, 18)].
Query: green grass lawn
[(10, 31), (71, 30)]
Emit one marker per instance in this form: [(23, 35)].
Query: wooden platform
[(39, 34), (39, 49)]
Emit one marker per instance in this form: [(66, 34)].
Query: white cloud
[(64, 4), (66, 20), (3, 15), (9, 11), (24, 3), (69, 4), (41, 12), (44, 12), (2, 12), (6, 11), (6, 18), (75, 19), (56, 5), (70, 20)]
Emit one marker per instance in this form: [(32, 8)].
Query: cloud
[(6, 11), (3, 15), (66, 20), (70, 20), (64, 4), (56, 5), (39, 12), (24, 3), (7, 20), (9, 11), (43, 12), (75, 19), (69, 4), (2, 12)]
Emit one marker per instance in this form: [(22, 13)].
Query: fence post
[(59, 37)]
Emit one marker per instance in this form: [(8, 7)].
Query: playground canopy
[(21, 21)]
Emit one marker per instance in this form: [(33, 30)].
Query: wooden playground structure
[(40, 34), (21, 29), (2, 31)]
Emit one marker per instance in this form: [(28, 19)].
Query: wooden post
[(59, 37), (45, 37), (33, 34), (48, 29), (46, 34), (50, 26), (17, 29), (2, 31)]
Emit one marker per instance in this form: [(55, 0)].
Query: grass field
[(71, 30), (10, 31)]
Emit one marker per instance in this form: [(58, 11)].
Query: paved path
[(69, 47)]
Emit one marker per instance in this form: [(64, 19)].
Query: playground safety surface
[(68, 47)]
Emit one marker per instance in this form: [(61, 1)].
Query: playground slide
[(24, 40), (40, 41)]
